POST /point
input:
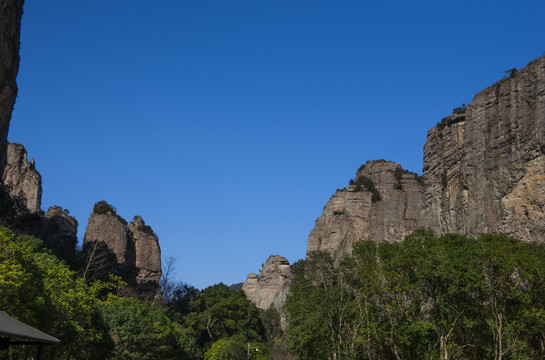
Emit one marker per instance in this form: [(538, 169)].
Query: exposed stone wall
[(135, 246), (147, 252), (10, 30), (270, 288), (110, 229), (486, 173), (22, 179), (351, 214)]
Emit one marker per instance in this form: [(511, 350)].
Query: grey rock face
[(486, 172), (22, 179), (270, 288), (135, 246), (147, 252), (10, 30), (110, 229), (352, 215)]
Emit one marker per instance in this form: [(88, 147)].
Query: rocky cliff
[(10, 29), (105, 225), (270, 288), (147, 252), (383, 203), (135, 246), (484, 172), (60, 233), (485, 166), (22, 179)]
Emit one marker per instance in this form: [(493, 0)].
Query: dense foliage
[(94, 321), (41, 291), (450, 297)]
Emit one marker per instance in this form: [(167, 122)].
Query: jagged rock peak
[(135, 246), (270, 288), (10, 30), (22, 179), (383, 203), (147, 252)]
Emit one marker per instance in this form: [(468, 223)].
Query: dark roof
[(9, 327)]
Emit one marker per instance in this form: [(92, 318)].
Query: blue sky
[(228, 124)]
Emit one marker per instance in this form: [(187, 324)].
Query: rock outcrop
[(10, 30), (136, 247), (270, 288), (384, 203), (147, 252), (22, 179), (485, 166), (484, 172), (60, 233), (105, 225)]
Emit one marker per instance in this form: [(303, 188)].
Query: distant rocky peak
[(270, 288)]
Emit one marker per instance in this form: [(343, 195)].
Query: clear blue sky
[(228, 124)]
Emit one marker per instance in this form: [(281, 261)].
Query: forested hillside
[(104, 319), (448, 297)]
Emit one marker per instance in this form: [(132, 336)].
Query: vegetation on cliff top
[(103, 208)]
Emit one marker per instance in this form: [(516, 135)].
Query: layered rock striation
[(485, 166), (383, 203), (270, 288), (484, 172)]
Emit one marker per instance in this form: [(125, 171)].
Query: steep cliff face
[(22, 179), (106, 226), (10, 30), (484, 172), (270, 288), (485, 167), (384, 203), (147, 252)]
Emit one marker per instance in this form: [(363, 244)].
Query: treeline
[(105, 319), (448, 297)]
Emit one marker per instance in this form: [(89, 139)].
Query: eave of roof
[(12, 328)]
